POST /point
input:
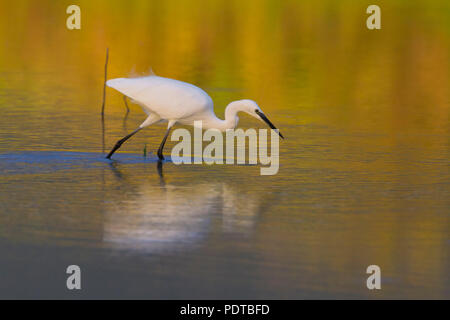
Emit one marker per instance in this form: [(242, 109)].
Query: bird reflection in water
[(166, 217)]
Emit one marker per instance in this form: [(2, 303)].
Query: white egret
[(177, 101)]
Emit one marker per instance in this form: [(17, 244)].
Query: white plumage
[(168, 98)]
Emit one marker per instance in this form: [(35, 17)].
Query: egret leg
[(126, 104), (161, 146), (152, 118), (121, 141)]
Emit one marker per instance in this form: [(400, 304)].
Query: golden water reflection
[(157, 217)]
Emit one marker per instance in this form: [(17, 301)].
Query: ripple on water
[(33, 162)]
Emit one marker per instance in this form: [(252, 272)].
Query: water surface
[(364, 171)]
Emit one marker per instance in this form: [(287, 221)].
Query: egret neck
[(231, 118)]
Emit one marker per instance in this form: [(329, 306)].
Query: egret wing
[(170, 99)]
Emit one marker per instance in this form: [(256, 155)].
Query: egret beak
[(264, 118)]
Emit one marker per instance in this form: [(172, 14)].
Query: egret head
[(250, 107)]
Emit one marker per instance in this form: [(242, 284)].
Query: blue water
[(33, 162)]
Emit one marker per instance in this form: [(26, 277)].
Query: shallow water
[(364, 172)]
